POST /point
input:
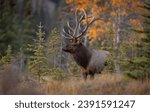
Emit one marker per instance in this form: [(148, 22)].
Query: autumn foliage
[(111, 8), (95, 10), (28, 60)]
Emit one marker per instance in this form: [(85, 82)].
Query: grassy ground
[(13, 81), (103, 85)]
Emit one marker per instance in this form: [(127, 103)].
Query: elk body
[(92, 61)]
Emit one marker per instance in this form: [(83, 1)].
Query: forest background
[(31, 43)]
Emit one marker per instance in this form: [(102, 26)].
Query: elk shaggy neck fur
[(82, 56)]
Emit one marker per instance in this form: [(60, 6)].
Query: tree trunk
[(117, 46), (20, 7)]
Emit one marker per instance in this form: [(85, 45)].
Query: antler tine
[(69, 35), (68, 24), (66, 37), (76, 23), (81, 18), (87, 25)]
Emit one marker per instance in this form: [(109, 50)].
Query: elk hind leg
[(91, 76)]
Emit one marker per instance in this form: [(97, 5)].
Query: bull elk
[(91, 60)]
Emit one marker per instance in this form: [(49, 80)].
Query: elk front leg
[(84, 74)]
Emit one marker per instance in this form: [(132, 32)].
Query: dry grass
[(103, 85), (14, 82)]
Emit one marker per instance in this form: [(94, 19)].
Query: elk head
[(76, 33)]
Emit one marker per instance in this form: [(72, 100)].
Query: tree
[(13, 31), (38, 63), (8, 58), (120, 14), (139, 67), (53, 48), (54, 55)]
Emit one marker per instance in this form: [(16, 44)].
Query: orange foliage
[(80, 4), (123, 7), (119, 3), (83, 4), (119, 7), (95, 11), (124, 3), (93, 33), (98, 28), (135, 23)]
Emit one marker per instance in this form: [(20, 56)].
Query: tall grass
[(103, 85), (12, 81)]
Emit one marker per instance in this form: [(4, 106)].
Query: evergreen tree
[(138, 68), (53, 47), (13, 31), (38, 63), (7, 59), (54, 56)]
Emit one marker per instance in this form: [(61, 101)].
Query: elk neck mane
[(82, 56)]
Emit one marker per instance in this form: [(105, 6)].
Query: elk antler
[(74, 34)]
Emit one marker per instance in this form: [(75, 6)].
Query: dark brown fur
[(92, 61)]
